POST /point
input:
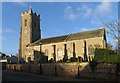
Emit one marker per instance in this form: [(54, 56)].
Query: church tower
[(29, 31)]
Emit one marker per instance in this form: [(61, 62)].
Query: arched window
[(68, 53), (90, 50), (46, 52), (59, 52)]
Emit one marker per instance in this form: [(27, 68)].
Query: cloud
[(103, 8), (95, 22), (87, 11), (84, 29), (110, 17), (88, 29), (101, 27), (2, 38), (6, 30), (21, 3), (69, 13), (16, 0)]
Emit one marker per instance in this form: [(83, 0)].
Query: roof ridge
[(54, 37), (89, 31)]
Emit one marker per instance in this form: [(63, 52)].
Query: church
[(66, 48)]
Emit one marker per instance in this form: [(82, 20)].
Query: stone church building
[(70, 47)]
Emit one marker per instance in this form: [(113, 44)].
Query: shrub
[(107, 56), (101, 51)]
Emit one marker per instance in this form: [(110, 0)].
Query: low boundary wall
[(81, 70)]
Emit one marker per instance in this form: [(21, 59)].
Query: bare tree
[(113, 29)]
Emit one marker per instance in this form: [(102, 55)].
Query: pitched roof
[(87, 34), (70, 37)]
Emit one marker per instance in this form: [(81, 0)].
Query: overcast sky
[(56, 19)]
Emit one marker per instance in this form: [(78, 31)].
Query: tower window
[(25, 22)]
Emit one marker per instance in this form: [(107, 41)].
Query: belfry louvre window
[(25, 22)]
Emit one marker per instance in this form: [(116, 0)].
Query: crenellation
[(38, 16)]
